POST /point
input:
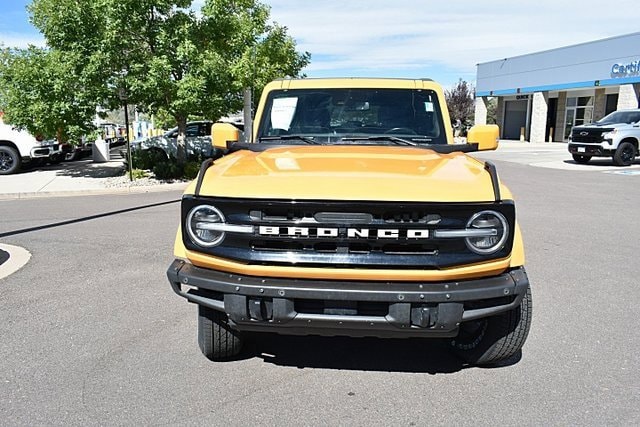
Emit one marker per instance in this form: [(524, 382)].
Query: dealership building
[(540, 96)]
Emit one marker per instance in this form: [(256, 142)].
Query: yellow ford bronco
[(352, 212)]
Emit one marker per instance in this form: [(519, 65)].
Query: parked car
[(76, 152), (617, 136), (115, 134), (19, 147), (198, 141)]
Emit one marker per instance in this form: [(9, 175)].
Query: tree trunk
[(181, 154), (248, 119)]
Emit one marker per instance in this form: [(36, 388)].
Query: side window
[(205, 129), (192, 130)]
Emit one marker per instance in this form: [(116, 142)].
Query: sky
[(442, 40)]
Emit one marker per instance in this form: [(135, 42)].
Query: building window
[(579, 112), (612, 104)]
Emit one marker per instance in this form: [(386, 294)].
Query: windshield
[(376, 116), (620, 117)]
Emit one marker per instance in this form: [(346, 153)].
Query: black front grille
[(393, 236), (589, 135)]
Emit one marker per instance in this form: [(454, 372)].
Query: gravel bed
[(123, 181)]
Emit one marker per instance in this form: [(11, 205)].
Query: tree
[(460, 102), (43, 92), (168, 57), (492, 110)]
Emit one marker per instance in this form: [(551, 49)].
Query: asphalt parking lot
[(93, 335)]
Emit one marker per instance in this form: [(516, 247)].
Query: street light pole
[(123, 96)]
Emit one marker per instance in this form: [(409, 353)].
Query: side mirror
[(224, 133), (486, 136)]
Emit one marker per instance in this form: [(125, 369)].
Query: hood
[(349, 173), (603, 125)]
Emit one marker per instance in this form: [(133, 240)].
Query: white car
[(18, 147), (198, 141)]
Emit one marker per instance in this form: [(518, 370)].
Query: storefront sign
[(626, 70)]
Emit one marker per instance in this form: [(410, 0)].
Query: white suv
[(19, 147), (615, 135)]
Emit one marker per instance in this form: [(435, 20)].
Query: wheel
[(9, 160), (581, 158), (625, 154), (72, 155), (496, 338), (216, 339), (55, 159)]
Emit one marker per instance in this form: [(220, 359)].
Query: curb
[(116, 190), (18, 258)]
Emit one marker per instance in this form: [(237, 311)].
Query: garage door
[(515, 117)]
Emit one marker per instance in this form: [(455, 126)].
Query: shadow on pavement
[(430, 356), (600, 162), (88, 169), (4, 256), (82, 168), (83, 219)]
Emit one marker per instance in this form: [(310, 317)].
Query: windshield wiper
[(304, 139), (394, 139)]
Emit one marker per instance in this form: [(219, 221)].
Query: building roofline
[(560, 48)]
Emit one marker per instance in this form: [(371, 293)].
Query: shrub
[(147, 159), (168, 169), (191, 170), (138, 173)]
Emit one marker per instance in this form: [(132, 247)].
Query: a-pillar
[(628, 96), (481, 111), (539, 117)]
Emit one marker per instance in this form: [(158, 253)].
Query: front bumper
[(45, 151), (351, 308), (594, 150)]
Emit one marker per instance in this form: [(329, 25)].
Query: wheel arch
[(7, 143), (632, 140)]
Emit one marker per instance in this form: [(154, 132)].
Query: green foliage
[(147, 159), (191, 169), (168, 170), (43, 91), (460, 102), (492, 108), (165, 168), (170, 59), (139, 173)]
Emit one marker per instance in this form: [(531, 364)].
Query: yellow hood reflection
[(379, 173)]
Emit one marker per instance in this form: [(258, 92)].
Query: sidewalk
[(81, 177)]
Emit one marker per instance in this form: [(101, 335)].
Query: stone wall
[(599, 104), (628, 96), (539, 108), (480, 117)]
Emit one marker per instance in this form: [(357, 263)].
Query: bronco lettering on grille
[(352, 233)]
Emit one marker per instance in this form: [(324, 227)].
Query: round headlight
[(492, 230), (199, 226)]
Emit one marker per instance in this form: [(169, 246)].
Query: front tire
[(580, 158), (497, 338), (625, 154), (217, 340), (9, 160)]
